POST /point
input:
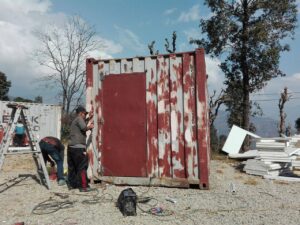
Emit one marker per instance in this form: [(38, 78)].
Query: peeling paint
[(176, 109)]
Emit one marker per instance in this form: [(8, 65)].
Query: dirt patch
[(23, 199)]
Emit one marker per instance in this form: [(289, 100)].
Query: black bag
[(127, 202)]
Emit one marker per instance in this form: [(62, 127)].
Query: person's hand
[(91, 114), (91, 126)]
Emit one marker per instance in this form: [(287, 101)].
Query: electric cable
[(100, 199), (50, 206)]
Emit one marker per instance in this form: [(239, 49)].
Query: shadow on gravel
[(239, 167), (16, 180)]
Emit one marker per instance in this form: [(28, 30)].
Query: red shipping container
[(151, 120)]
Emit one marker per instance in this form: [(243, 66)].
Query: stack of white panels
[(274, 157), (278, 155), (258, 167)]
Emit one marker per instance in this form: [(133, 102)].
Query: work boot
[(61, 182)]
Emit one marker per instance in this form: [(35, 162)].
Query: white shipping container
[(44, 119)]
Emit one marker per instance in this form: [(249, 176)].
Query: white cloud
[(19, 19), (193, 14), (109, 48), (269, 96), (215, 75), (24, 7), (130, 40), (169, 11), (192, 33), (278, 84)]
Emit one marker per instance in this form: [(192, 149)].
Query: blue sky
[(126, 27), (135, 23)]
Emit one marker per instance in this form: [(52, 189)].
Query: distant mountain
[(265, 126)]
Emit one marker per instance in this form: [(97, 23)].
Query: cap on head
[(80, 109)]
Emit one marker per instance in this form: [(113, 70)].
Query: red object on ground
[(53, 175), (1, 134)]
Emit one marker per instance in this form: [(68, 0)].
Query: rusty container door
[(124, 128)]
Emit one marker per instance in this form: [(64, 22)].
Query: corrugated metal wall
[(177, 115), (44, 119)]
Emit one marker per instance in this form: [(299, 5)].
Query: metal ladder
[(18, 112)]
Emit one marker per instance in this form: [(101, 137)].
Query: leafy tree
[(20, 99), (4, 87), (64, 51), (38, 99), (248, 36), (297, 125)]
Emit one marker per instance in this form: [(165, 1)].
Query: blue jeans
[(57, 156)]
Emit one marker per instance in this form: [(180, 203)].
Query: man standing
[(77, 157), (53, 147)]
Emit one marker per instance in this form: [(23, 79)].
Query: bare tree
[(64, 51), (214, 105), (152, 49), (151, 46), (167, 44), (284, 97)]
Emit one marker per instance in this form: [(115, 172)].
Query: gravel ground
[(255, 201)]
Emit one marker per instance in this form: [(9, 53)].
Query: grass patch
[(251, 181), (238, 177), (281, 182), (219, 171), (221, 157)]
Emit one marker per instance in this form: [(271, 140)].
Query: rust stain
[(152, 136), (176, 101), (164, 119), (89, 73), (90, 157), (203, 131), (189, 117), (176, 116), (152, 143)]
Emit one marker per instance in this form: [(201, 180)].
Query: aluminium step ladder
[(18, 113)]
